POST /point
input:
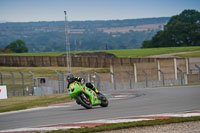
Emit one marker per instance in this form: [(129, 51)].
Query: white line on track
[(38, 108), (102, 121)]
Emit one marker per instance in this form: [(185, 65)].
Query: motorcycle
[(86, 96)]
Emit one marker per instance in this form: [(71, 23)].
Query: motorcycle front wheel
[(84, 100), (104, 100)]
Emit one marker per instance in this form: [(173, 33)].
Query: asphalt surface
[(135, 103)]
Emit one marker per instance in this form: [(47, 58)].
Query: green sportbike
[(86, 96)]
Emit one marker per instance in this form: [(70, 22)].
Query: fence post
[(112, 77), (130, 79), (185, 78), (198, 70), (159, 71), (135, 73), (187, 65), (146, 80), (13, 83), (33, 81), (1, 78), (181, 74), (22, 76), (98, 80), (60, 81), (175, 70), (89, 77), (59, 87), (163, 77)]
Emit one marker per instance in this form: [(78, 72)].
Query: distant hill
[(84, 35)]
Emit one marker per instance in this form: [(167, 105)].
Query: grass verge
[(192, 54), (151, 51), (120, 53), (34, 54), (118, 126), (50, 71), (25, 102)]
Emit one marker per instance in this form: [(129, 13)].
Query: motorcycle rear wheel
[(84, 100)]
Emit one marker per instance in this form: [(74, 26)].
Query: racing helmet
[(70, 77)]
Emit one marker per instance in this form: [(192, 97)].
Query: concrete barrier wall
[(60, 61), (150, 69), (147, 69), (193, 78), (192, 62), (167, 67)]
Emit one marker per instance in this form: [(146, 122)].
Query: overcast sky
[(52, 10)]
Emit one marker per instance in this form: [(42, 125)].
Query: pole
[(163, 77), (68, 58), (159, 72), (198, 69), (112, 77), (1, 78), (135, 73), (130, 79), (13, 83), (146, 80), (181, 74), (175, 69), (22, 76), (33, 81)]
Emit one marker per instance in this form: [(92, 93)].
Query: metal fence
[(24, 84), (18, 83)]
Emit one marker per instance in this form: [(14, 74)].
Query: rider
[(78, 80)]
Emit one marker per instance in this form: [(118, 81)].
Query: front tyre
[(84, 100), (104, 100)]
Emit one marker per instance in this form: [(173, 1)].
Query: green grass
[(25, 102), (120, 53), (34, 54), (192, 54), (50, 71), (151, 51), (118, 126)]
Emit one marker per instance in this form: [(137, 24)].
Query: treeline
[(181, 30), (50, 36), (17, 46)]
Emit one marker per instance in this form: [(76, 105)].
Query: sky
[(78, 10)]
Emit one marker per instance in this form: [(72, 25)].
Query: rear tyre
[(84, 100), (104, 100)]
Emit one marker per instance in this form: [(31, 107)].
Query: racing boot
[(95, 90)]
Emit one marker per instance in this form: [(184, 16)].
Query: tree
[(181, 30), (17, 46)]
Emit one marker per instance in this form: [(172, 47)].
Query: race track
[(124, 103)]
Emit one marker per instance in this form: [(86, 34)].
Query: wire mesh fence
[(18, 83), (119, 77)]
